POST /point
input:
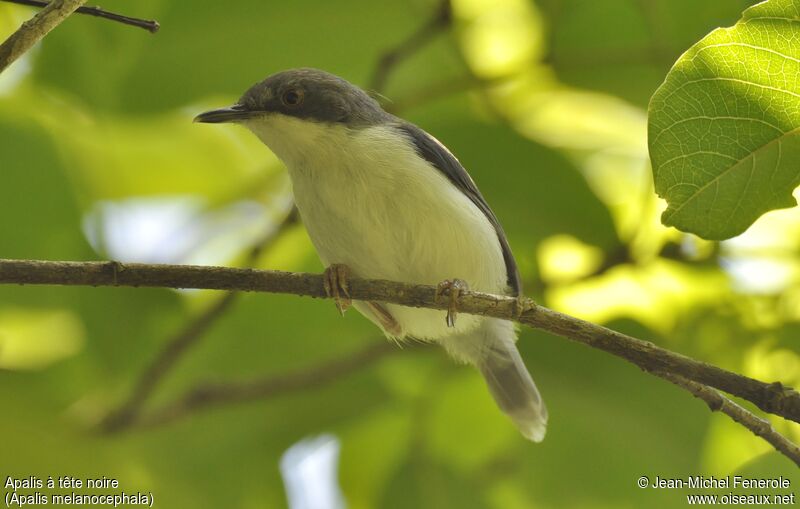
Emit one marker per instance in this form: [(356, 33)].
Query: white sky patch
[(763, 259), (310, 474), (11, 17), (758, 275), (174, 229), (15, 73)]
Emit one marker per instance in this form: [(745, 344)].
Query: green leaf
[(723, 128)]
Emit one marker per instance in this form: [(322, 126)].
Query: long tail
[(492, 350)]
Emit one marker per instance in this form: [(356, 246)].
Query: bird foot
[(522, 305), (335, 280), (453, 288)]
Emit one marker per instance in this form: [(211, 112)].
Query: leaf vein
[(716, 179), (706, 117), (736, 80), (775, 18), (699, 152), (745, 45)]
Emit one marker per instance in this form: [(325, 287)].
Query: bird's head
[(297, 106)]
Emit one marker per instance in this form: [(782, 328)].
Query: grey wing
[(437, 154)]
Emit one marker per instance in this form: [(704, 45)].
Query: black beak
[(234, 113)]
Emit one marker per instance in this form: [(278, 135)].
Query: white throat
[(297, 142)]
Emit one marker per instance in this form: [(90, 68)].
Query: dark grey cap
[(304, 93)]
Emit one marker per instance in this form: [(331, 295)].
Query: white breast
[(372, 203)]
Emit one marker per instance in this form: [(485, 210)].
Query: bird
[(383, 199)]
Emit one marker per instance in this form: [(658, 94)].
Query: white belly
[(379, 208)]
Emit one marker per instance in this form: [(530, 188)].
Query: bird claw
[(454, 288), (335, 280), (519, 307), (522, 305)]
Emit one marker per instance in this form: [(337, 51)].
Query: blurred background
[(276, 401)]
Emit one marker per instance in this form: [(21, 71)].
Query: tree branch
[(718, 403), (773, 398), (167, 359), (181, 342), (151, 26), (214, 394), (34, 29), (436, 90), (439, 22)]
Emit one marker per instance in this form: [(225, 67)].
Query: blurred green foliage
[(98, 119)]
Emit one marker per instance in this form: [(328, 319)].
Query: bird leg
[(388, 322), (453, 288), (334, 279)]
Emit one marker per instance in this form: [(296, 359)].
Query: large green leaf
[(723, 127)]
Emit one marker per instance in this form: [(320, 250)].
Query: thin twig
[(167, 359), (34, 29), (151, 26), (719, 403), (216, 394), (438, 23), (181, 342), (773, 398), (440, 89)]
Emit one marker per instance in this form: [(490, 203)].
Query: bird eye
[(292, 97)]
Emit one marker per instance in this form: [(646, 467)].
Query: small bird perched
[(383, 199)]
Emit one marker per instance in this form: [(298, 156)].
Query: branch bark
[(770, 397), (35, 28), (718, 403), (151, 26)]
